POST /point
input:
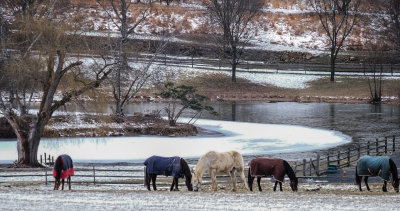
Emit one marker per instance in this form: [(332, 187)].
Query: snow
[(128, 197), (247, 138)]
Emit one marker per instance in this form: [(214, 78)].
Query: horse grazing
[(227, 162), (63, 168), (382, 166), (259, 167), (168, 166)]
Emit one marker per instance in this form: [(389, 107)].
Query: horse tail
[(358, 178), (393, 169), (249, 176)]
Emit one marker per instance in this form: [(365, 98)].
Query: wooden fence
[(330, 162), (323, 165)]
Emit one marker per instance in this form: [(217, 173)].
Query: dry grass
[(220, 86)]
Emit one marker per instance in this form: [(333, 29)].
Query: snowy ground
[(126, 197)]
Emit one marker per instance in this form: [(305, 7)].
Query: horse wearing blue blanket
[(176, 167), (382, 166)]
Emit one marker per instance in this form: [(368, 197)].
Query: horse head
[(293, 184), (58, 166), (196, 181)]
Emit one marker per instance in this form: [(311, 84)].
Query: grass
[(344, 89)]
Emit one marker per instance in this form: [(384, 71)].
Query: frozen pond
[(247, 138)]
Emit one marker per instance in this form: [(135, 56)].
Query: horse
[(382, 166), (259, 167), (63, 168), (214, 162), (168, 166)]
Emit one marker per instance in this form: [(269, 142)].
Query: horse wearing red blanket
[(63, 169), (264, 167)]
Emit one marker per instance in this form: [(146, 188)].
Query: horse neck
[(59, 165), (393, 169), (185, 169), (199, 169), (289, 170)]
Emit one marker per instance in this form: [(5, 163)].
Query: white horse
[(228, 162)]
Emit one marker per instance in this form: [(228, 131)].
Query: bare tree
[(233, 18), (26, 74), (127, 81), (338, 18), (394, 11)]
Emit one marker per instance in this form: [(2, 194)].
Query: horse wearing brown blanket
[(265, 167)]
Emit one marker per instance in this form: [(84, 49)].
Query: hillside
[(290, 25)]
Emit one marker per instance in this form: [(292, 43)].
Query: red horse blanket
[(260, 167), (66, 166)]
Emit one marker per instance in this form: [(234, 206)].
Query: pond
[(289, 130)]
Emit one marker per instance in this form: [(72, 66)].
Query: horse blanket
[(66, 165), (168, 166), (374, 166), (260, 167)]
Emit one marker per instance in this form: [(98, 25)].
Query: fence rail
[(318, 167), (331, 161)]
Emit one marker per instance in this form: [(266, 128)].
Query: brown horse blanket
[(66, 165), (260, 167), (374, 166), (168, 166)]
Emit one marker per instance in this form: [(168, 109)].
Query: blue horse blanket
[(168, 166), (374, 166), (66, 165)]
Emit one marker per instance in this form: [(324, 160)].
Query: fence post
[(377, 146), (192, 61), (44, 158), (368, 148), (348, 157), (311, 164), (46, 176), (304, 167), (338, 159), (41, 160), (317, 167), (394, 144), (386, 142), (327, 160), (49, 160), (94, 176)]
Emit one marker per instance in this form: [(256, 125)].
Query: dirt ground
[(311, 196)]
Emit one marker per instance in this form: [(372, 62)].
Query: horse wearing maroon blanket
[(63, 169), (176, 167), (264, 167)]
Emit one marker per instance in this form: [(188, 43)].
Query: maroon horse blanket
[(66, 166), (260, 167)]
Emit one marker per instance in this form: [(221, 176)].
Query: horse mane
[(58, 166), (289, 170), (393, 169), (185, 169)]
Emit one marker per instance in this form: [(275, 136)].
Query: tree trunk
[(333, 62), (234, 64)]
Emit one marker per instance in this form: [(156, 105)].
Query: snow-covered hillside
[(289, 25)]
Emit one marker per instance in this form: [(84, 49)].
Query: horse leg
[(148, 179), (213, 174), (176, 184), (280, 186), (69, 182), (172, 186), (366, 183), (384, 186), (233, 178), (250, 180), (276, 183), (243, 177), (153, 180), (259, 183), (62, 184)]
